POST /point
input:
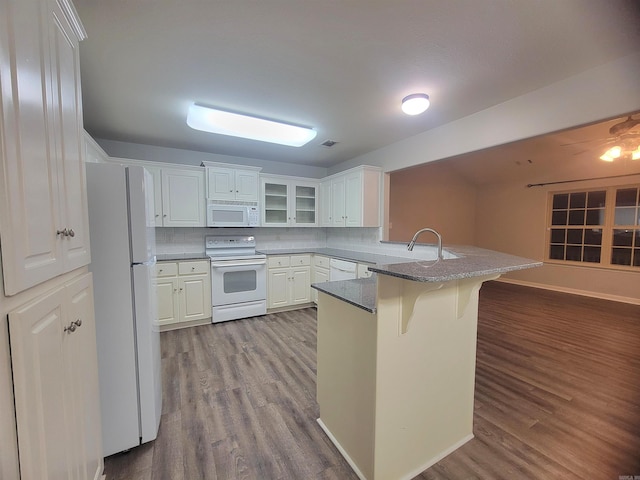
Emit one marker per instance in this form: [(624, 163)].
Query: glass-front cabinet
[(289, 202)]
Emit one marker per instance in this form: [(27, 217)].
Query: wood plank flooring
[(557, 397)]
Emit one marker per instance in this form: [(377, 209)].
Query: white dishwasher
[(342, 270)]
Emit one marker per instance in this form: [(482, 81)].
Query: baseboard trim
[(574, 291), (429, 463), (342, 451)]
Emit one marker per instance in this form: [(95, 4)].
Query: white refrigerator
[(122, 232)]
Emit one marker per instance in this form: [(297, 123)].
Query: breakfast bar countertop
[(360, 293), (469, 262)]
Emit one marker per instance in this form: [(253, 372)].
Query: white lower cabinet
[(320, 273), (55, 375), (289, 280), (183, 290)]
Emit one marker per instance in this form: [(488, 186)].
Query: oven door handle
[(238, 263)]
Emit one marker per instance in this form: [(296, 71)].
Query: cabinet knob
[(230, 191), (193, 268), (64, 232), (163, 216), (78, 323), (175, 290), (71, 233), (161, 270), (71, 328), (180, 289), (157, 215)]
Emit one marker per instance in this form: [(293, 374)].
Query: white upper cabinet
[(289, 202), (351, 198), (178, 193), (43, 207), (229, 183), (183, 202)]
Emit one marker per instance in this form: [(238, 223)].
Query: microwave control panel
[(254, 217)]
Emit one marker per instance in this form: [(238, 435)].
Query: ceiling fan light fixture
[(212, 120), (611, 154), (415, 104)]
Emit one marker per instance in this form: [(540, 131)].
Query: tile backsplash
[(191, 240)]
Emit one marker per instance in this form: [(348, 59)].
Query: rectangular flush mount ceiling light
[(236, 125)]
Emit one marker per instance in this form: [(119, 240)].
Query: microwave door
[(225, 216)]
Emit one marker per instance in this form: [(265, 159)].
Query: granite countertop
[(353, 255), (360, 293), (470, 262), (166, 257)]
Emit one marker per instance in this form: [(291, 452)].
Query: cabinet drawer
[(275, 262), (320, 261), (166, 269), (297, 260), (194, 268)]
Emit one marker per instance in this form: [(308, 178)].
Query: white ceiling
[(568, 155), (340, 66)]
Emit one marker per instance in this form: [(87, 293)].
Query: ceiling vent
[(328, 143)]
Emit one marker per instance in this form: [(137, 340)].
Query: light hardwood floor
[(557, 397)]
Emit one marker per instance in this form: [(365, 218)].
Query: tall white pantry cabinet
[(49, 402)]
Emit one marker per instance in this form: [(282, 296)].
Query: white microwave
[(222, 215)]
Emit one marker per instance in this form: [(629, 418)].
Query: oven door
[(238, 281)]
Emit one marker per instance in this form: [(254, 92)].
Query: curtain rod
[(529, 185)]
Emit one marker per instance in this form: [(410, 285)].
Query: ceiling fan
[(622, 143), (627, 144)]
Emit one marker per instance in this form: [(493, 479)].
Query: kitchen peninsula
[(396, 360)]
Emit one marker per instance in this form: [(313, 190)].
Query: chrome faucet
[(415, 237)]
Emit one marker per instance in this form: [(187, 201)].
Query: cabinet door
[(69, 150), (167, 295), (337, 202), (246, 185), (353, 200), (300, 285), (221, 183), (194, 295), (156, 174), (304, 204), (320, 275), (278, 287), (82, 370), (183, 199), (325, 204), (29, 210), (55, 373), (275, 203), (37, 355)]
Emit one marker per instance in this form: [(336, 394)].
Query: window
[(597, 227)]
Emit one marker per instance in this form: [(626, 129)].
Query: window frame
[(608, 226)]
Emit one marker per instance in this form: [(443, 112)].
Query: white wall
[(190, 157), (608, 91)]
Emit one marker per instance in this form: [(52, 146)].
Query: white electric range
[(238, 277)]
